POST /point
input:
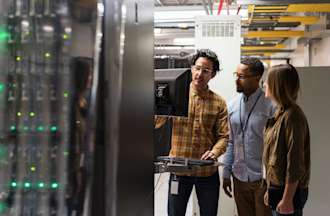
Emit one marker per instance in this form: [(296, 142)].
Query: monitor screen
[(172, 91), (163, 139)]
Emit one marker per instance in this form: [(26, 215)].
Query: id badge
[(174, 187), (239, 148), (263, 171)]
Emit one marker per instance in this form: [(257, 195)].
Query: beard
[(239, 89)]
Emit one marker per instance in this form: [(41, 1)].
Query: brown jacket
[(287, 148)]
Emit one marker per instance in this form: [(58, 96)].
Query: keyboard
[(186, 161)]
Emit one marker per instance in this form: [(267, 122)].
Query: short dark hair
[(256, 67), (283, 84), (210, 55)]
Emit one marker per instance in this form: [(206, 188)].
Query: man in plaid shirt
[(202, 135)]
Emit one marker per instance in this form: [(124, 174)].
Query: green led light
[(18, 58), (12, 128), (53, 128), (66, 153), (25, 128), (4, 34), (13, 184), (40, 128), (41, 185), (3, 207), (54, 185), (19, 114), (65, 36), (33, 168), (66, 94), (27, 184), (2, 87), (32, 114), (47, 55), (3, 152)]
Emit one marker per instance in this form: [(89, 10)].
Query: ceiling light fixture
[(183, 41), (180, 16)]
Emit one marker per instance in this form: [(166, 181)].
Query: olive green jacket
[(286, 153)]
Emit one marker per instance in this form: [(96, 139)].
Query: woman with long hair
[(286, 155)]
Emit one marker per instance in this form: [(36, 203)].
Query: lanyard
[(243, 127)]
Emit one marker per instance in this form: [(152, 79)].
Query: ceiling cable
[(211, 6), (205, 7), (220, 6), (238, 9)]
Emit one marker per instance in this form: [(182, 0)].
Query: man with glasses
[(248, 113), (202, 135)]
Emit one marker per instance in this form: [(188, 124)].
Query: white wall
[(315, 102), (297, 57), (318, 53)]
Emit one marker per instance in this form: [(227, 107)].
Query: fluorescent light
[(189, 15), (157, 31), (183, 25), (173, 47), (176, 16), (183, 41)]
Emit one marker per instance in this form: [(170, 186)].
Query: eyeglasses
[(243, 77), (200, 68)]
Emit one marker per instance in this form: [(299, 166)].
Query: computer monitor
[(172, 91)]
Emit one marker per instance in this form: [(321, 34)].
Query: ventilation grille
[(225, 29)]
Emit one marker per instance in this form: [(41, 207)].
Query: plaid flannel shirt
[(205, 128)]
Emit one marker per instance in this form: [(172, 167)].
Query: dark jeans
[(275, 194), (207, 190), (296, 213)]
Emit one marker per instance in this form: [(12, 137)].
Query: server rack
[(35, 105), (58, 157)]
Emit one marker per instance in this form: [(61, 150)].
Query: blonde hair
[(283, 84)]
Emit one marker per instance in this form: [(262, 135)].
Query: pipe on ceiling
[(205, 7), (210, 6)]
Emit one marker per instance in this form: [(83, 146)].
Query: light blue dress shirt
[(243, 157)]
